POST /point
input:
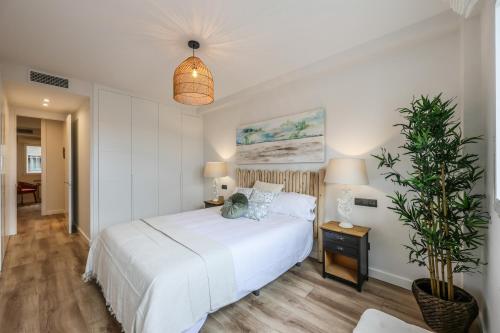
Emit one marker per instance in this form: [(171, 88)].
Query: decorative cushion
[(247, 191), (257, 210), (258, 205), (375, 321), (263, 196), (294, 204), (268, 187), (235, 206)]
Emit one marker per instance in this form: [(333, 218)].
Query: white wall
[(4, 114), (360, 100), (52, 167), (81, 178), (11, 172)]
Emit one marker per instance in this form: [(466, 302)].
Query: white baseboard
[(481, 321), (54, 211), (80, 231), (397, 280)]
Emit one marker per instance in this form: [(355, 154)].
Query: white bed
[(261, 251)]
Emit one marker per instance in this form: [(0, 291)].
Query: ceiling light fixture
[(45, 104), (193, 82), (46, 100)]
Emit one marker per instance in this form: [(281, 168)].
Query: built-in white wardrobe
[(150, 159)]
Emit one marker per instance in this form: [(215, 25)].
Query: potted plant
[(437, 201)]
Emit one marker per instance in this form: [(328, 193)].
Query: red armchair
[(25, 188)]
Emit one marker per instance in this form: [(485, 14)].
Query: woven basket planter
[(445, 316)]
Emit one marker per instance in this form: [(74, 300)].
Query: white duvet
[(261, 252)]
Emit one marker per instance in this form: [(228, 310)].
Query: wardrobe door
[(115, 197), (192, 162), (169, 157), (144, 158)]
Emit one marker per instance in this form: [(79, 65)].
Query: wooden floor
[(41, 291)]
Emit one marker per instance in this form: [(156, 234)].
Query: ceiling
[(31, 96), (135, 45)]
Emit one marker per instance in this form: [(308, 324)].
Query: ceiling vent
[(48, 79)]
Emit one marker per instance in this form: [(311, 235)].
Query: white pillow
[(247, 191), (268, 187), (294, 204)]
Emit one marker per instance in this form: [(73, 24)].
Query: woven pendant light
[(193, 82)]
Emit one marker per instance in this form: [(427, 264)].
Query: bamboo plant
[(436, 197)]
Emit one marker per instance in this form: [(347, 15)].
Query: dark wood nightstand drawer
[(345, 253), (340, 248), (342, 238)]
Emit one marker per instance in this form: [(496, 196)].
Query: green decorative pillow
[(234, 207)]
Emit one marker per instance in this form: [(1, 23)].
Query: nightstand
[(345, 254), (213, 203)]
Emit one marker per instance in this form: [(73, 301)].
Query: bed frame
[(304, 182)]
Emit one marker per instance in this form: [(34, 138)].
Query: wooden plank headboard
[(305, 182)]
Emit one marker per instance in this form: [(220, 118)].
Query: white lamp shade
[(346, 171), (215, 169)]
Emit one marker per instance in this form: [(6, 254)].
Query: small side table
[(345, 254), (213, 203)]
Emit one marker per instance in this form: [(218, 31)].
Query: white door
[(115, 171), (144, 158), (192, 162), (169, 160), (68, 177)]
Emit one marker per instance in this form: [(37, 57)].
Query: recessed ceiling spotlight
[(46, 100), (45, 104)]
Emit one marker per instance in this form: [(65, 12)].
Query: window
[(33, 159)]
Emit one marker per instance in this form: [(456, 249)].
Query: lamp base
[(346, 225)]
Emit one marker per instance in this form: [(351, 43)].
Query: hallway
[(41, 289)]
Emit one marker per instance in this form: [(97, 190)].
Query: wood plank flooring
[(41, 291)]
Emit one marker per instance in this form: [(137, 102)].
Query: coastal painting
[(298, 138)]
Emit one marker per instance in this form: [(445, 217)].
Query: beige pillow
[(268, 187)]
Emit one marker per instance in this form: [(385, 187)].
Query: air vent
[(25, 131), (51, 80)]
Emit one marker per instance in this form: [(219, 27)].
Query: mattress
[(261, 250)]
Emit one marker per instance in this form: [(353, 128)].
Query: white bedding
[(261, 252)]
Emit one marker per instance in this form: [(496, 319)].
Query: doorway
[(44, 169)]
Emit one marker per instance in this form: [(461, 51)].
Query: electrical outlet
[(224, 186), (365, 202)]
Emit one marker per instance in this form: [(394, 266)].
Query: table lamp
[(215, 170), (346, 171)]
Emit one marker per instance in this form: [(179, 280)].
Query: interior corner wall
[(360, 102), (81, 175), (474, 124), (491, 272), (53, 194)]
